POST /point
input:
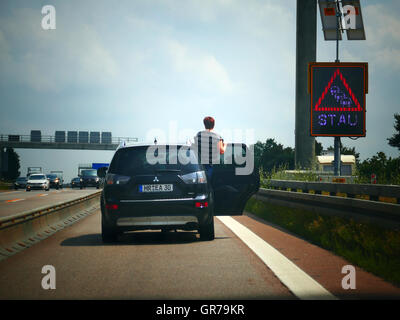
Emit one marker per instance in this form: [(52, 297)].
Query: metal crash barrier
[(377, 204), (25, 229)]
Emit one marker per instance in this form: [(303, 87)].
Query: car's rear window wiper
[(168, 170)]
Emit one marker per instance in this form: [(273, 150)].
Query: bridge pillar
[(306, 48), (3, 161)]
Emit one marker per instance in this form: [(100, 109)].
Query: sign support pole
[(306, 48), (337, 156)]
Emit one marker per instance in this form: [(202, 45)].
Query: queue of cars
[(139, 194), (87, 178)]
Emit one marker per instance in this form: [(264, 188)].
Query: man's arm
[(221, 146)]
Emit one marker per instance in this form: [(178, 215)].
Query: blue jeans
[(209, 170)]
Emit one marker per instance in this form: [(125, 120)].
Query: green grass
[(370, 247), (5, 185)]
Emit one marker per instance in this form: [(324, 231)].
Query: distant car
[(76, 182), (89, 178), (20, 183), (38, 181), (55, 181)]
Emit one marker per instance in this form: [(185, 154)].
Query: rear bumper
[(36, 187), (157, 214), (89, 184)]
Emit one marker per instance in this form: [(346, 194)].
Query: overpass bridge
[(71, 141), (51, 142)]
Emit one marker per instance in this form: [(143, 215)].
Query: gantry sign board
[(337, 93)]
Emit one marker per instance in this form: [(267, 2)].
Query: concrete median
[(25, 229)]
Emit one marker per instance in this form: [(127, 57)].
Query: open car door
[(234, 180)]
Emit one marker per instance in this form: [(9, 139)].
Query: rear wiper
[(168, 170)]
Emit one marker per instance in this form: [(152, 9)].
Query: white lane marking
[(43, 194), (295, 279)]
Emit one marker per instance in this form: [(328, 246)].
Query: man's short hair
[(209, 122)]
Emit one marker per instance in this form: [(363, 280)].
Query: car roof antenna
[(155, 140)]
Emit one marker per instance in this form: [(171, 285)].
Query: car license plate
[(156, 188)]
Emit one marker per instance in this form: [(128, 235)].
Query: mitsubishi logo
[(156, 179)]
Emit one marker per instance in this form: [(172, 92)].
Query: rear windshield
[(135, 161), (89, 173), (38, 177)]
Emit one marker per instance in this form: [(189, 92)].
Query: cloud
[(49, 60), (200, 67), (383, 38)]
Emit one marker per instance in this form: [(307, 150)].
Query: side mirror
[(101, 172)]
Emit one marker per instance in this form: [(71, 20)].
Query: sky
[(158, 67)]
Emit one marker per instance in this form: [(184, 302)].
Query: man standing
[(209, 145)]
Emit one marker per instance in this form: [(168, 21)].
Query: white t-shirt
[(206, 144)]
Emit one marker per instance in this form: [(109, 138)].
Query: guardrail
[(372, 192), (23, 230), (310, 196)]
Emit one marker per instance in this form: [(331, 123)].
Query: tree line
[(271, 155)]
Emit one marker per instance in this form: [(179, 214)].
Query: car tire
[(207, 232), (108, 235), (28, 189)]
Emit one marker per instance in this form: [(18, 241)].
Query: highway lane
[(142, 265), (176, 265), (13, 202)]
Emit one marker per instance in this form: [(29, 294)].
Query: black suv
[(139, 195), (89, 178), (55, 181), (20, 183)]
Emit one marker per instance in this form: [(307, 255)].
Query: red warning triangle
[(344, 100)]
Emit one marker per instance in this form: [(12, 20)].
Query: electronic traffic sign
[(338, 98)]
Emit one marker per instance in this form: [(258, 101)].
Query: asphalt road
[(13, 202), (176, 265), (142, 265)]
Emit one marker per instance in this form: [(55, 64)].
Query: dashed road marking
[(13, 200), (295, 279)]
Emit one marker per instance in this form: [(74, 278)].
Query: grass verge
[(370, 247), (5, 186)]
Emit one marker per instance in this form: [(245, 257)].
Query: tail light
[(116, 179), (110, 206), (202, 204), (194, 177)]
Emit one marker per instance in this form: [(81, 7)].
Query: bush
[(387, 170)]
